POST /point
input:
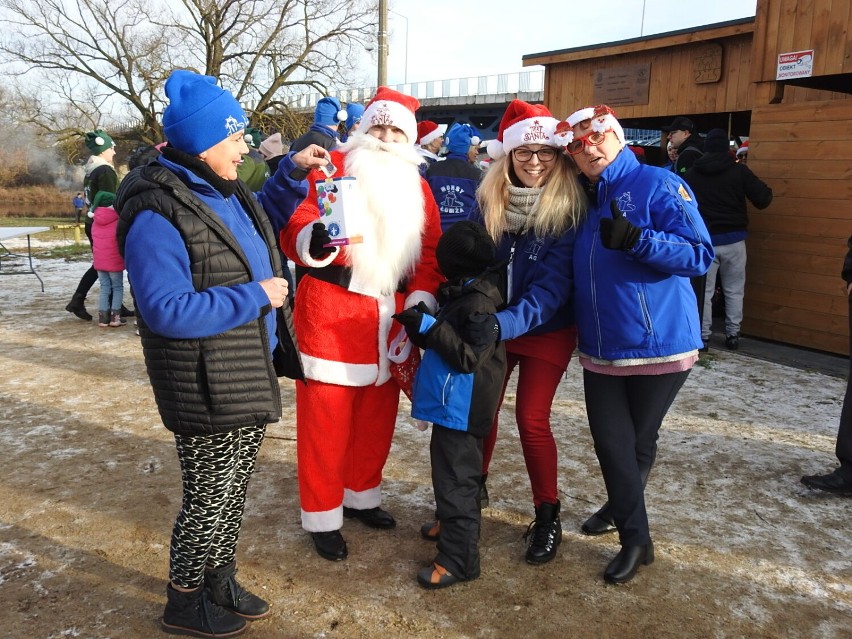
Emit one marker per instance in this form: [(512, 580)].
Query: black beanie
[(465, 250), (717, 142)]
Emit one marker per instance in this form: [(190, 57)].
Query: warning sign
[(799, 64)]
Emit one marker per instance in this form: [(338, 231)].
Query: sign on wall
[(623, 85), (799, 64), (707, 63)]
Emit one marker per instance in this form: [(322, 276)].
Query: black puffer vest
[(226, 381)]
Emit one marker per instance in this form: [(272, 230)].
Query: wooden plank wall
[(570, 85), (794, 293), (784, 26)]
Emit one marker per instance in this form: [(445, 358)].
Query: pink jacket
[(104, 244)]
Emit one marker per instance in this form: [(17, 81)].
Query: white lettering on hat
[(232, 125)]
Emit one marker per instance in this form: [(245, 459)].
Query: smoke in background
[(29, 160)]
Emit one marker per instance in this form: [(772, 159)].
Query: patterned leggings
[(215, 471)]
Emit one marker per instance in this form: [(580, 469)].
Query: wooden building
[(799, 128)]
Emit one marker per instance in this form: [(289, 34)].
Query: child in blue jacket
[(458, 389)]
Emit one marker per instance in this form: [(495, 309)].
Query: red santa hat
[(392, 108), (602, 120), (523, 123), (427, 131), (743, 149)]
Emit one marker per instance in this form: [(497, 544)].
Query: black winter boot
[(225, 591), (193, 613), (77, 306), (545, 534)]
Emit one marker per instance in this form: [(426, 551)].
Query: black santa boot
[(225, 591), (77, 307)]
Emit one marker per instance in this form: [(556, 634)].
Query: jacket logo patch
[(534, 249), (684, 193), (625, 202)]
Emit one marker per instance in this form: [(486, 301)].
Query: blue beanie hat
[(460, 138), (200, 114), (329, 112), (354, 111)]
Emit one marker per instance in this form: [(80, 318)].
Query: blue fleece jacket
[(156, 256)]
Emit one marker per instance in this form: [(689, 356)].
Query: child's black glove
[(481, 330), (617, 233)]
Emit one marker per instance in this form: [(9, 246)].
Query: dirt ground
[(89, 488)]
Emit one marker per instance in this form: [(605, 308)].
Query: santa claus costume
[(346, 411)]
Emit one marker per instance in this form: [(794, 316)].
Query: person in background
[(354, 111), (328, 114), (839, 481), (463, 409), (742, 153), (253, 170), (273, 149), (671, 154), (100, 176), (722, 187), (530, 203), (430, 139), (637, 321), (78, 203), (107, 260), (346, 412), (216, 334), (686, 142), (455, 180), (639, 152)]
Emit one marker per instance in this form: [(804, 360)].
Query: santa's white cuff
[(303, 249), (421, 296)]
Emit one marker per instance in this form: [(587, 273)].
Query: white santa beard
[(389, 185)]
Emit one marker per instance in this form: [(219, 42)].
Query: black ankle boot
[(627, 561), (545, 534), (225, 591), (78, 308), (600, 523), (193, 613)]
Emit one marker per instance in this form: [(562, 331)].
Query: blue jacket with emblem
[(454, 182), (539, 282), (638, 304)]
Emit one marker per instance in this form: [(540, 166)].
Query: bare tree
[(110, 58)]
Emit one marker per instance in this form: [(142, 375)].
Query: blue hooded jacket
[(639, 304)]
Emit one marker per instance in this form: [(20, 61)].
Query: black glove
[(481, 330), (412, 319), (320, 237), (617, 233)]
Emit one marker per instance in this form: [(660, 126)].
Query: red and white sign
[(799, 64)]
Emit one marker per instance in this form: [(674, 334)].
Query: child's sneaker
[(116, 319), (103, 319)]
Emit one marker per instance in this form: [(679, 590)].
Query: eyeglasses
[(544, 154), (595, 138)]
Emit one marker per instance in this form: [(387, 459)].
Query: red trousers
[(343, 437), (541, 361)]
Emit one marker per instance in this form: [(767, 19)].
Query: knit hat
[(253, 137), (602, 120), (743, 149), (717, 141), (392, 108), (200, 114), (103, 198), (523, 123), (272, 147), (355, 112), (328, 112), (460, 138), (98, 141), (427, 131), (465, 250)]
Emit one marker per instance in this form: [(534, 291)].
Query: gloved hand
[(481, 330), (319, 237), (412, 320), (617, 233)]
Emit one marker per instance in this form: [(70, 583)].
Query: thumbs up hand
[(617, 233)]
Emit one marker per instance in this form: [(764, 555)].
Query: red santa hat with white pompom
[(523, 123), (602, 119), (392, 108)]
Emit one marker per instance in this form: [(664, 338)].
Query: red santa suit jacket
[(344, 333)]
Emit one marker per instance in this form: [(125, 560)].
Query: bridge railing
[(521, 82)]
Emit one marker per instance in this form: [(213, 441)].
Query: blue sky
[(459, 38)]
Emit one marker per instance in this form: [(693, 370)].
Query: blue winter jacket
[(540, 282), (639, 304), (454, 182)]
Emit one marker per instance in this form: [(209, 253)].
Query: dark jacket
[(317, 134), (456, 386), (688, 153), (102, 178), (453, 182), (721, 186), (225, 379)]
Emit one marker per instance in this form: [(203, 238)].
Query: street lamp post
[(382, 79)]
